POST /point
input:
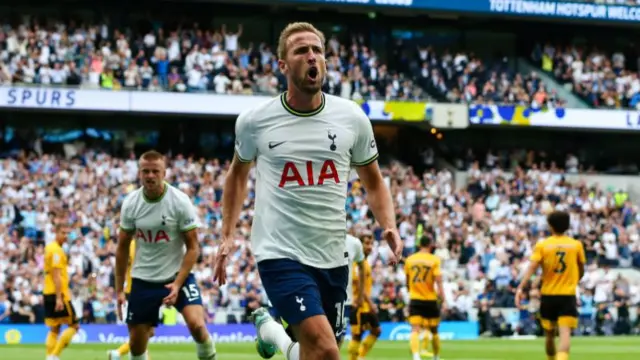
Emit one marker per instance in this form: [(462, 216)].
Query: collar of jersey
[(292, 111), (150, 201)]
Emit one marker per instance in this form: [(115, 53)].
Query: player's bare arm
[(360, 298), (379, 199), (190, 257), (533, 266), (441, 296), (235, 191), (122, 258), (57, 283)]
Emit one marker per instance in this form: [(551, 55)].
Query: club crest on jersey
[(151, 236), (332, 137)]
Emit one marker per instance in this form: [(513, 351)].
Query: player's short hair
[(294, 28), (152, 155), (559, 222), (425, 241), (364, 236)]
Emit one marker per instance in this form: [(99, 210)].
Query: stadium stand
[(486, 224)]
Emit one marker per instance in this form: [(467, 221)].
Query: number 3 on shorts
[(191, 292)]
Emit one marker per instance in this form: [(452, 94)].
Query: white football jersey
[(303, 160), (159, 226), (356, 255)]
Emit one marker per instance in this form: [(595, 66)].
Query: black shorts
[(426, 309), (363, 321), (66, 316), (553, 307)]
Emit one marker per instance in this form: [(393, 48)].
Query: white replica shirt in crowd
[(303, 161), (356, 255), (159, 227)]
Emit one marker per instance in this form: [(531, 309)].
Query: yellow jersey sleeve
[(537, 252), (581, 256)]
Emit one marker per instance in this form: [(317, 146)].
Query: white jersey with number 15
[(303, 161)]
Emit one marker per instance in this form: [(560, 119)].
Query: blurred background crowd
[(484, 193)]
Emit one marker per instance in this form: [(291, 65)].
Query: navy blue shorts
[(146, 297), (298, 291)]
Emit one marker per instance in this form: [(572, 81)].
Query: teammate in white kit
[(304, 143), (356, 257), (165, 225)]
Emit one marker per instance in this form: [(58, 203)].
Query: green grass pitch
[(602, 348)]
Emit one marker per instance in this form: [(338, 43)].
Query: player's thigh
[(424, 313), (53, 318), (144, 303), (371, 323), (355, 323), (567, 312), (139, 335), (295, 293), (189, 302), (333, 284), (292, 290), (549, 312)]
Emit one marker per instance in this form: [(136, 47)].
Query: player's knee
[(327, 350), (356, 337), (75, 326), (152, 332), (434, 330), (376, 332), (416, 328), (55, 329), (199, 331)]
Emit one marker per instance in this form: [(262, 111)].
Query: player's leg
[(567, 322), (435, 337), (374, 333), (414, 338), (356, 335), (124, 348), (189, 303), (346, 320), (67, 335), (52, 338), (548, 321), (52, 322), (294, 291), (142, 316), (425, 342)]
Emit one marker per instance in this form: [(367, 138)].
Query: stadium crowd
[(220, 61), (601, 79), (485, 232)]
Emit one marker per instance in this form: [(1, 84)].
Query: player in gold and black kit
[(423, 273), (562, 260), (58, 309), (364, 316)]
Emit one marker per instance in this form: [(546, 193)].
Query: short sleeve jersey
[(158, 226), (303, 160)]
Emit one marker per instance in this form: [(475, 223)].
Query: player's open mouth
[(312, 73)]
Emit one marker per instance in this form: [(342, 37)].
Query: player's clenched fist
[(219, 270), (395, 243)]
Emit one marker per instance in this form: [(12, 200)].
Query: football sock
[(353, 348), (414, 342), (273, 333), (426, 339), (123, 349), (65, 339), (293, 352), (206, 350), (436, 344), (562, 356), (367, 344), (52, 340), (142, 356)]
